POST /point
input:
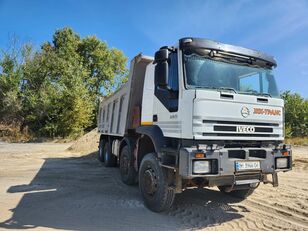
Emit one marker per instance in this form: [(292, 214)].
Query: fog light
[(201, 167), (281, 162)]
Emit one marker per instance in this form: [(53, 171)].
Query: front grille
[(258, 129), (237, 129), (233, 129), (230, 129), (240, 134), (240, 123)]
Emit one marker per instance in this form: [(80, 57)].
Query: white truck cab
[(200, 114)]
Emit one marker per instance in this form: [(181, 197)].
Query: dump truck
[(199, 114)]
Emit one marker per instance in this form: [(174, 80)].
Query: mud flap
[(274, 181)]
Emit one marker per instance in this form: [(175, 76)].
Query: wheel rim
[(150, 181)]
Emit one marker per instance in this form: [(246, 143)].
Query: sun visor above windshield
[(197, 45)]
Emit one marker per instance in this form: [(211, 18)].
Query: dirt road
[(44, 187)]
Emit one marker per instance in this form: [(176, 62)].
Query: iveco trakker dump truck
[(199, 114)]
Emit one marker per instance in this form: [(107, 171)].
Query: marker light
[(199, 155)]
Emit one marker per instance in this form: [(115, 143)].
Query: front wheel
[(155, 184)]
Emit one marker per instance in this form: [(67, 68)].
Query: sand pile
[(87, 143)]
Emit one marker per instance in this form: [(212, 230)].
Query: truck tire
[(154, 184), (110, 160), (101, 145), (127, 170), (241, 194)]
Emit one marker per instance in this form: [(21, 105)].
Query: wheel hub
[(150, 181)]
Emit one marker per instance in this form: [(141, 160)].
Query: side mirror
[(161, 68), (161, 55)]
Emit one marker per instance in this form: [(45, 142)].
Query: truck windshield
[(202, 72)]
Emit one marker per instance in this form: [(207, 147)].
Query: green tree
[(11, 77), (296, 114), (9, 88), (64, 80)]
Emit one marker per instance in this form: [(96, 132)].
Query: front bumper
[(223, 164)]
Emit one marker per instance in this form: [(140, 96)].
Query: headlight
[(201, 167), (282, 162)]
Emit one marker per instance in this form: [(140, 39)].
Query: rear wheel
[(101, 150), (109, 158), (127, 170), (241, 194), (155, 184)]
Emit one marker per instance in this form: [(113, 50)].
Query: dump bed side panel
[(121, 111), (112, 113)]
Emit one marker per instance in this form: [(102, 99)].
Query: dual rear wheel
[(105, 155), (126, 161), (127, 170)]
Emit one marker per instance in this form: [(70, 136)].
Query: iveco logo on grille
[(245, 129)]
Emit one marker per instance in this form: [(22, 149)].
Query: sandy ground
[(44, 187)]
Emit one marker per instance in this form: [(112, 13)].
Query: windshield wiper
[(265, 94), (205, 87), (256, 93), (227, 88), (216, 88)]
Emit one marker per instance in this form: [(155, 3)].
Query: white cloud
[(260, 23)]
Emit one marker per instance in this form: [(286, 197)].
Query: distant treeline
[(54, 91)]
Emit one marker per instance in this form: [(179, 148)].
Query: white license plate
[(247, 165)]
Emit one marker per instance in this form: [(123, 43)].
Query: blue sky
[(276, 27)]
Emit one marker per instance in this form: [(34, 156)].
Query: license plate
[(247, 165)]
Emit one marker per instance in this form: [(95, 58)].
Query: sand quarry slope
[(87, 143), (45, 187)]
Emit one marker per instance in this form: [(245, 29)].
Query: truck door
[(166, 100)]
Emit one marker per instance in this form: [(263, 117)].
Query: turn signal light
[(285, 153), (199, 155)]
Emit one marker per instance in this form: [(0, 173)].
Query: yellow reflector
[(146, 123)]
